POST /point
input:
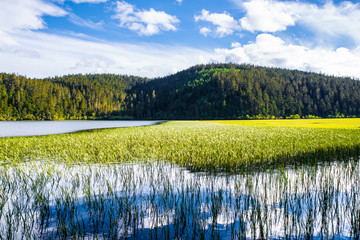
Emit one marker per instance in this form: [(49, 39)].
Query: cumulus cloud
[(269, 50), (26, 14), (329, 19), (38, 54), (224, 22), (144, 22), (268, 16), (205, 31)]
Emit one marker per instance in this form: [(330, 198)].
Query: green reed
[(117, 183), (197, 145)]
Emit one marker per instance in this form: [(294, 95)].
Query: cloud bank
[(272, 51), (328, 19), (42, 55)]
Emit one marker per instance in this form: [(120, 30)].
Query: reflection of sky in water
[(163, 201), (32, 128)]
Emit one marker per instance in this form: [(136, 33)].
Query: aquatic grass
[(162, 201), (182, 180), (197, 145)]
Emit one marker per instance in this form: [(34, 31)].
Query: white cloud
[(38, 54), (235, 44), (272, 51), (205, 31), (179, 1), (89, 1), (331, 20), (26, 14), (97, 63), (268, 16), (144, 22), (328, 20), (85, 23), (224, 22), (41, 55)]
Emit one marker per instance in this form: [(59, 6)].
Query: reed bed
[(196, 145), (182, 180)]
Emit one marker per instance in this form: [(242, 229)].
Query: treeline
[(68, 97), (214, 91), (230, 91)]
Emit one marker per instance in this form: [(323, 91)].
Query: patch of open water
[(33, 128)]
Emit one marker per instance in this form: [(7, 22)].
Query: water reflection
[(162, 201), (33, 128)]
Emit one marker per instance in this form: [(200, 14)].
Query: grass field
[(345, 123), (197, 145)]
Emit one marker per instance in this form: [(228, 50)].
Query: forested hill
[(229, 91), (216, 91), (68, 97)]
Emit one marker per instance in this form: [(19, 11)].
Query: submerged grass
[(161, 201), (196, 145)]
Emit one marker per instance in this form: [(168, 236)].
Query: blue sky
[(40, 38)]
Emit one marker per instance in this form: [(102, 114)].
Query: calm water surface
[(158, 200), (32, 128)]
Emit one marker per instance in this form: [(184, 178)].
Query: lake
[(33, 128), (158, 200)]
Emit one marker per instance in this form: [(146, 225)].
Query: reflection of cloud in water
[(160, 200)]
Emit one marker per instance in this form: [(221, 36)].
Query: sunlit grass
[(345, 123), (197, 145)]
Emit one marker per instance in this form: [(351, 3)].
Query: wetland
[(181, 180)]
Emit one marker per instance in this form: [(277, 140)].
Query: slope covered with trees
[(68, 97), (229, 91), (216, 91)]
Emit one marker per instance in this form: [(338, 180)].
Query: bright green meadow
[(196, 145), (346, 123)]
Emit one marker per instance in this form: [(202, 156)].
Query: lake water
[(32, 128), (158, 200)]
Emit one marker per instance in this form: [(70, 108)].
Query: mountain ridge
[(211, 91)]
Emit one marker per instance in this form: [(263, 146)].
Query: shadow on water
[(162, 201)]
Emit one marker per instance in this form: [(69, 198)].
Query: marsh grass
[(182, 180), (196, 145)]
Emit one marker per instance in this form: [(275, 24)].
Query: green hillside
[(67, 97), (216, 91), (229, 91)]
